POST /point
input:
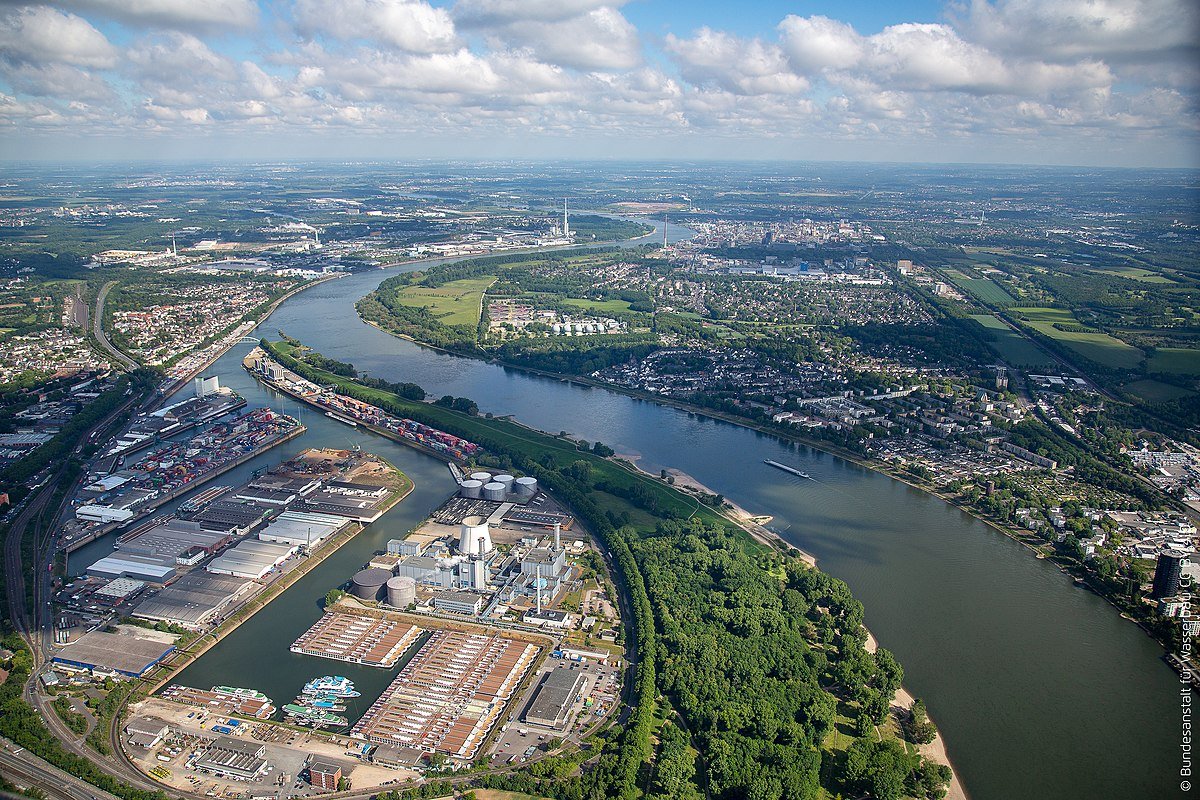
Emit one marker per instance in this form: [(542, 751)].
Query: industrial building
[(358, 639), (251, 559), (449, 695), (145, 732), (324, 775), (555, 697), (192, 600), (172, 537), (404, 547), (302, 528), (401, 591), (124, 653), (233, 758), (458, 603), (140, 568), (119, 591)]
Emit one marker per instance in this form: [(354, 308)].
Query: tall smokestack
[(537, 588), (557, 536), (566, 222)]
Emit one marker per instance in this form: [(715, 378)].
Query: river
[(1040, 688)]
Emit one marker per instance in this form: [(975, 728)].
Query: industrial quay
[(493, 619)]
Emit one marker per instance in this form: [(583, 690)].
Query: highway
[(21, 767), (101, 336)]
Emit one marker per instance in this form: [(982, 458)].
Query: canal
[(1040, 688)]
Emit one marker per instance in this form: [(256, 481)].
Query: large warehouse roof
[(124, 652), (192, 599)]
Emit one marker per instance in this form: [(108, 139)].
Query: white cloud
[(740, 66), (816, 43), (500, 12), (410, 25), (597, 39), (41, 35), (174, 13)]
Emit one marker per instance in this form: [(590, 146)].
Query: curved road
[(98, 330)]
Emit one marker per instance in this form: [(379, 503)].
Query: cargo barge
[(786, 468)]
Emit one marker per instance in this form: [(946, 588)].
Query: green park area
[(453, 303), (1010, 345), (983, 289), (1089, 343), (1175, 360)]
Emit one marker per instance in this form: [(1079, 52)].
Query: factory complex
[(355, 412), (210, 401)]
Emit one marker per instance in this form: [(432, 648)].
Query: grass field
[(598, 306), (1093, 345), (454, 303), (1176, 360), (1156, 391), (984, 289), (1012, 346), (1136, 274)]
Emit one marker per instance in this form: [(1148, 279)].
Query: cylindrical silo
[(471, 488), (482, 477), (494, 491), (401, 591), (526, 487), (506, 481), (367, 584)]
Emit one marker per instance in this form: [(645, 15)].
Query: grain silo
[(401, 591), (495, 492), (471, 488), (367, 584), (526, 487)]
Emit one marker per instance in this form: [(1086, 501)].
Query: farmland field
[(1156, 391), (984, 289), (598, 306), (1178, 360), (1012, 346), (1092, 345), (1137, 274), (453, 303)]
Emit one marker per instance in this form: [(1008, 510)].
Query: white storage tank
[(494, 491), (526, 487), (482, 477), (506, 480), (401, 591), (471, 488), (474, 538)]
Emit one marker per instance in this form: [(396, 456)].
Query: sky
[(1090, 82)]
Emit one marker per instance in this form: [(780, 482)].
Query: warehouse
[(552, 704), (233, 758), (238, 518), (140, 568), (251, 559), (123, 653), (192, 600), (301, 528), (170, 538)]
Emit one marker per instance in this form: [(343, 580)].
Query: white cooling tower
[(474, 537)]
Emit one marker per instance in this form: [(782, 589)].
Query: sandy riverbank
[(935, 750)]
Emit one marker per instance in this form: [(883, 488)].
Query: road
[(98, 330), (22, 767)]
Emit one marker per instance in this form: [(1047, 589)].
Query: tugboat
[(332, 685)]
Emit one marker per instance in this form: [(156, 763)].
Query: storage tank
[(526, 487), (401, 591), (506, 480), (471, 488), (482, 477), (474, 538), (494, 491), (367, 584)]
